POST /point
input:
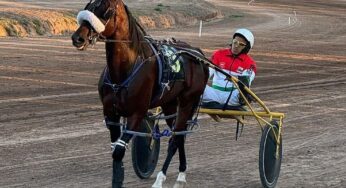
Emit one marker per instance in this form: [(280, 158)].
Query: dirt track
[(51, 131)]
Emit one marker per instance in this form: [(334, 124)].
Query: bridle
[(110, 13), (94, 36)]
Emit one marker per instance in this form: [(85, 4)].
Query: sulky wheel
[(145, 151), (269, 163)]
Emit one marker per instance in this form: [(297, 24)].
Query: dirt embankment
[(31, 22), (184, 13), (36, 21)]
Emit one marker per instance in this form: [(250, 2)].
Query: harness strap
[(133, 73), (113, 123), (156, 134), (108, 81), (228, 98), (108, 122), (159, 61)]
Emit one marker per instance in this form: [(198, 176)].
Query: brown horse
[(129, 85)]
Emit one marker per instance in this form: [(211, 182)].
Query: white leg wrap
[(182, 177), (113, 146), (160, 178), (119, 143), (181, 180)]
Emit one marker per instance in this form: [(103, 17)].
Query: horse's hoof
[(117, 185), (179, 184), (160, 178), (181, 180)]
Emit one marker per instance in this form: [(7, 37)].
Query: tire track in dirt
[(300, 85), (259, 90), (28, 99), (46, 81), (61, 46), (39, 50), (63, 135), (45, 70), (29, 115)]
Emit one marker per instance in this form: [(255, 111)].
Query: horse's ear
[(109, 14), (86, 7)]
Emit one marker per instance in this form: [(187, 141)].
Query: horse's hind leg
[(176, 142), (185, 113), (167, 109), (170, 109)]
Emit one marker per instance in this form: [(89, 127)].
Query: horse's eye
[(108, 14)]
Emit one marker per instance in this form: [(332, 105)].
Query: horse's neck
[(120, 55)]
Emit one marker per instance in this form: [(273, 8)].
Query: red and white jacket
[(241, 65)]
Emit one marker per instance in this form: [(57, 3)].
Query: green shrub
[(236, 16), (158, 9), (38, 27)]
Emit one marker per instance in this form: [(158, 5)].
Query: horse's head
[(97, 19)]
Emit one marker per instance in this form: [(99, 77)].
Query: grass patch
[(11, 30), (160, 7), (236, 16), (38, 27), (69, 14)]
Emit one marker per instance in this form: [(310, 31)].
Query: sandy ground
[(51, 131)]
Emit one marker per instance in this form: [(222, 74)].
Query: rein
[(102, 39)]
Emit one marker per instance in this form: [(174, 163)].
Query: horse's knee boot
[(118, 174), (120, 147), (118, 153)]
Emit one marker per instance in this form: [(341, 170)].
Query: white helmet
[(247, 34)]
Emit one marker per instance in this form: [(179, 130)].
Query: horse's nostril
[(77, 39), (80, 40)]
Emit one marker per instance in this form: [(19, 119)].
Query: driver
[(236, 62)]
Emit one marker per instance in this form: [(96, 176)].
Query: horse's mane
[(137, 32)]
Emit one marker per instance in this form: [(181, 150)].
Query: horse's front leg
[(120, 147), (114, 127)]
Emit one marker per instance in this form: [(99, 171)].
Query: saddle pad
[(172, 64)]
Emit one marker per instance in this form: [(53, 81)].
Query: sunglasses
[(238, 43)]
